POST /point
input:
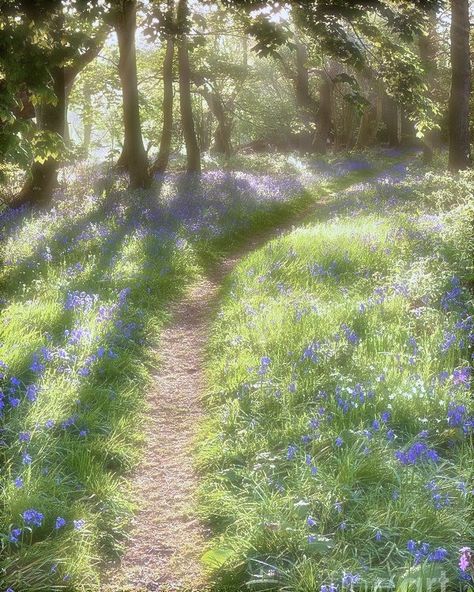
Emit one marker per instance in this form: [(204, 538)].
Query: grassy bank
[(339, 453), (85, 290)]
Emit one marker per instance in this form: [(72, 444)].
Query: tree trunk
[(369, 124), (161, 163), (125, 26), (51, 118), (427, 49), (87, 120), (307, 105), (324, 114), (459, 135), (407, 131), (391, 119), (222, 135), (192, 147)]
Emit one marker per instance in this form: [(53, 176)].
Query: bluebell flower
[(456, 414), (291, 452), (349, 579), (351, 335), (310, 521), (36, 365), (328, 588), (419, 451), (448, 341), (18, 482), (411, 546), (461, 377), (78, 524), (33, 517), (15, 535), (32, 392), (15, 382), (264, 364), (26, 459), (439, 554), (339, 441)]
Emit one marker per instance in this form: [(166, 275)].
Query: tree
[(49, 63), (161, 162), (135, 158), (458, 115), (187, 121)]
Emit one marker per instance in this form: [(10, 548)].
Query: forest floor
[(166, 482), (146, 351), (166, 539), (88, 287)]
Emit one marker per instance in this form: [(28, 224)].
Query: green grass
[(131, 255), (352, 319)]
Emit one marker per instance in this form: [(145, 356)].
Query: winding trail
[(166, 540)]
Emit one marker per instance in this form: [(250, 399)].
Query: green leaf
[(215, 558), (421, 577)]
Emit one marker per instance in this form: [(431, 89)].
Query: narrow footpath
[(166, 539)]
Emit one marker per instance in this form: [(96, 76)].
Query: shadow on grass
[(92, 389)]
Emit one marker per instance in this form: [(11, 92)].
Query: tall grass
[(85, 290), (339, 453)]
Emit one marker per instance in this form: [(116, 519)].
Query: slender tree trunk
[(192, 147), (51, 118), (307, 105), (324, 114), (125, 27), (349, 115), (161, 162), (390, 117), (427, 49), (407, 131), (245, 52), (87, 120), (369, 124), (222, 135), (459, 135)]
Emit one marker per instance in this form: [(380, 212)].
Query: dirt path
[(166, 540)]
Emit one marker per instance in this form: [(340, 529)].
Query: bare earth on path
[(166, 539)]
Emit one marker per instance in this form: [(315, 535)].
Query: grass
[(340, 446), (85, 290)]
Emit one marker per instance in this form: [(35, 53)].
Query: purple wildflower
[(33, 517)]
